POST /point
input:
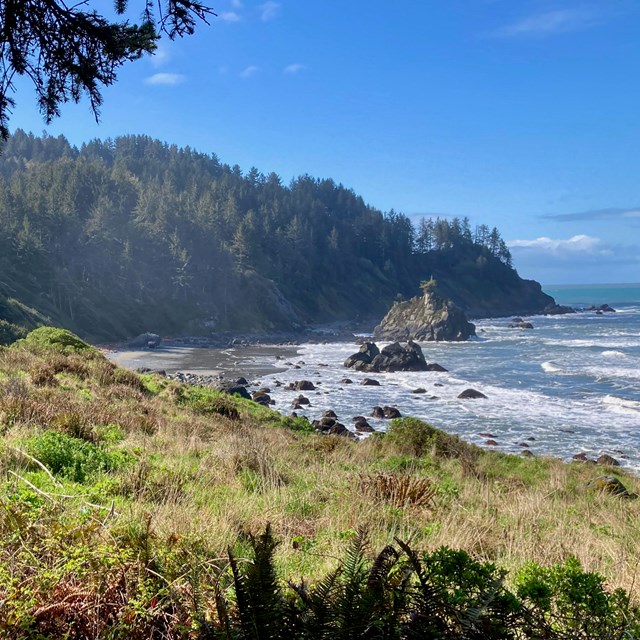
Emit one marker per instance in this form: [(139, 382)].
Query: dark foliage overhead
[(71, 51)]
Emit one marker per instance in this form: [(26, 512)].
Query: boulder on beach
[(363, 426), (145, 340), (233, 389), (612, 485), (261, 398), (391, 413), (602, 308), (521, 325), (607, 460), (362, 360), (377, 412)]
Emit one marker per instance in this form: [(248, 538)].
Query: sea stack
[(425, 318)]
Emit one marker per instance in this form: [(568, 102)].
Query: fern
[(348, 616), (317, 610), (260, 605)]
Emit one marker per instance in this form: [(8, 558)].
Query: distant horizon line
[(612, 285)]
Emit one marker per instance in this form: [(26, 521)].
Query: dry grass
[(209, 480)]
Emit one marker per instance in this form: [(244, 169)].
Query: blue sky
[(523, 114)]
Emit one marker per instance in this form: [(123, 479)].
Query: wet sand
[(229, 362)]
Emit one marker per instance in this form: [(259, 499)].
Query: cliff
[(484, 287)]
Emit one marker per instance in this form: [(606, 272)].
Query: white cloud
[(249, 71), (165, 78), (578, 244), (161, 55), (230, 16), (631, 214), (236, 4), (294, 68), (549, 23), (269, 10)]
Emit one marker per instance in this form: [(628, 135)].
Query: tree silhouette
[(71, 51)]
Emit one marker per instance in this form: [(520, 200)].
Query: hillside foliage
[(122, 236)]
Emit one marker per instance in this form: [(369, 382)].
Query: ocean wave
[(628, 374), (551, 367), (622, 405), (625, 341), (614, 353)]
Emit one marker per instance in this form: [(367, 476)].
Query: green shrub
[(207, 402), (411, 436), (73, 458), (57, 340), (566, 601)]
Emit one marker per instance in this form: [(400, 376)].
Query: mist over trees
[(122, 235)]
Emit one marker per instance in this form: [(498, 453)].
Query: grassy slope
[(114, 483)]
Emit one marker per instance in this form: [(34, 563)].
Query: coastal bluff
[(425, 318)]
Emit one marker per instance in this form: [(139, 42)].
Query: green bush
[(207, 401), (566, 601), (73, 458), (411, 436), (58, 340)]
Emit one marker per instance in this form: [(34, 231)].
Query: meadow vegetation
[(132, 506)]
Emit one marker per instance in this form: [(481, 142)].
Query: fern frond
[(430, 612), (259, 599), (381, 568)]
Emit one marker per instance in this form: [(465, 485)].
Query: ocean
[(570, 385)]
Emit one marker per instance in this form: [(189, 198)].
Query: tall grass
[(158, 476)]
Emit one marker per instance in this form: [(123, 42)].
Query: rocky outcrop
[(145, 341), (521, 325), (484, 287), (426, 318), (393, 357), (612, 485), (557, 309), (359, 361), (602, 308)]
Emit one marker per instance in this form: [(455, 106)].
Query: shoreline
[(243, 360)]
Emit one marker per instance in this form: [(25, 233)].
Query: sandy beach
[(254, 360)]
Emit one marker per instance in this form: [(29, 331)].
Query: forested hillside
[(126, 235)]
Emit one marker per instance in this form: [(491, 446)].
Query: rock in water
[(361, 361), (396, 357), (393, 357), (428, 318), (471, 394)]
